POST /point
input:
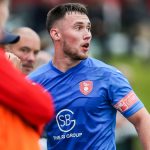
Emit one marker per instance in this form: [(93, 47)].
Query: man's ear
[(55, 34)]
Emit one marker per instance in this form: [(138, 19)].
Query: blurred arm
[(21, 96)]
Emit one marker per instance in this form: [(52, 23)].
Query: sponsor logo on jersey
[(86, 87), (65, 120), (128, 101)]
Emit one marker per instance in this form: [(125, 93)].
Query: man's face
[(26, 49), (75, 35)]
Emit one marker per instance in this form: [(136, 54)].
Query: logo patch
[(127, 102), (86, 87)]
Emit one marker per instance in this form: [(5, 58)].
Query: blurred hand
[(14, 59)]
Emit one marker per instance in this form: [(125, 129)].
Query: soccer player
[(87, 92)]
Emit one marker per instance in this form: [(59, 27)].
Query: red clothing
[(22, 100)]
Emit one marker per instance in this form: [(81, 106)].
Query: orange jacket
[(15, 134)]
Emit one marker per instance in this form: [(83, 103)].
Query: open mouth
[(86, 45)]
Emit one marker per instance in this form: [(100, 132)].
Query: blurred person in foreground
[(27, 48), (87, 92), (24, 106)]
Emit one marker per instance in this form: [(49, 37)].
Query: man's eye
[(36, 53), (78, 27), (89, 29), (24, 50)]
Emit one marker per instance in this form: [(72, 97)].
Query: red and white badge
[(86, 87), (127, 102)]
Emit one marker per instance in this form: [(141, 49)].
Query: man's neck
[(64, 65)]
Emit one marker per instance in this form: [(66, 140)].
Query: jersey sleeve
[(122, 96), (20, 95)]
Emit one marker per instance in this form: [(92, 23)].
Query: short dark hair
[(59, 12)]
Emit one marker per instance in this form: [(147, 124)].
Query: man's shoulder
[(100, 65)]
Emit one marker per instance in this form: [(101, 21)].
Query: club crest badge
[(86, 87)]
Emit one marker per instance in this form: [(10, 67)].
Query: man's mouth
[(85, 46), (27, 66)]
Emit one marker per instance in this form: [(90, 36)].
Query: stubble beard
[(73, 53)]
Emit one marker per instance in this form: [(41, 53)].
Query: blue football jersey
[(86, 99)]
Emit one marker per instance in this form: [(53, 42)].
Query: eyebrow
[(80, 23), (25, 47), (29, 49)]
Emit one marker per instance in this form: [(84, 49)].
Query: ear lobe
[(55, 34)]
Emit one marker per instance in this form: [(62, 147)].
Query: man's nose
[(31, 57), (87, 36)]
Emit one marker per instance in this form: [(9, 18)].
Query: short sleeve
[(122, 96)]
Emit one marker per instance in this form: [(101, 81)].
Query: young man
[(27, 48), (87, 92)]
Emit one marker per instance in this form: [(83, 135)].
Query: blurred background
[(121, 37)]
